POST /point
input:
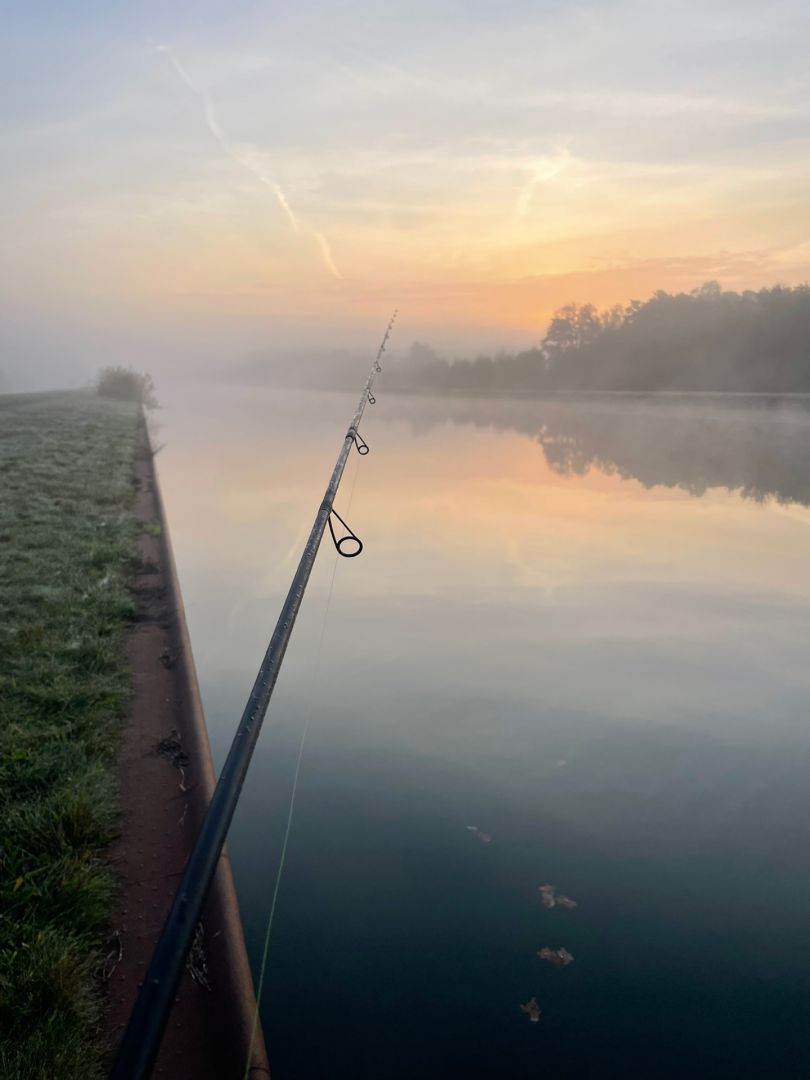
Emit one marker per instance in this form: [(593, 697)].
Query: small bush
[(127, 384)]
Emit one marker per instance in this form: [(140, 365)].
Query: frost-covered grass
[(67, 536)]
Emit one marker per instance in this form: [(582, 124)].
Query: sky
[(184, 183)]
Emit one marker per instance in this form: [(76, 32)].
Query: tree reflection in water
[(756, 446)]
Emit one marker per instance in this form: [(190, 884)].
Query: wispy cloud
[(545, 169), (326, 252), (248, 158)]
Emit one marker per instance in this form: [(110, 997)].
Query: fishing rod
[(141, 1040)]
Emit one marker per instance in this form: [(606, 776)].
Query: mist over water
[(558, 746), (580, 627)]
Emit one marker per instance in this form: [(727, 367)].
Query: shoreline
[(166, 778), (482, 394)]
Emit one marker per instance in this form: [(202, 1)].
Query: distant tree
[(709, 290), (126, 384), (706, 339), (573, 327), (421, 355)]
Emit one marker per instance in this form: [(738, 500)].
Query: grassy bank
[(66, 546)]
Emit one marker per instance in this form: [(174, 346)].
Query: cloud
[(545, 169), (326, 252), (248, 158)]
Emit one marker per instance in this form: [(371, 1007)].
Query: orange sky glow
[(287, 177)]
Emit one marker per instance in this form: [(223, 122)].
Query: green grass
[(67, 543)]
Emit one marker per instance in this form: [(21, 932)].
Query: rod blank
[(141, 1040)]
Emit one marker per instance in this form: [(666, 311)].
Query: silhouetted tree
[(706, 339)]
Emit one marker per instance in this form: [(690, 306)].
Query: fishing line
[(142, 1036), (293, 793), (351, 489)]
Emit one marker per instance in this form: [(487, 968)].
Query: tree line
[(704, 340)]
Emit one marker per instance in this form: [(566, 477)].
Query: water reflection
[(552, 679), (760, 448)]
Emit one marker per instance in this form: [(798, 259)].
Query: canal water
[(575, 651)]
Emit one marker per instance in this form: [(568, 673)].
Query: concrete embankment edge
[(166, 779)]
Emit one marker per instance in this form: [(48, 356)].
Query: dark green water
[(583, 629)]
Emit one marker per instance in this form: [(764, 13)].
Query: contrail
[(282, 198), (208, 105), (545, 169), (246, 160), (326, 252)]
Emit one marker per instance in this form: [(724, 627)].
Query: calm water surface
[(582, 629)]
